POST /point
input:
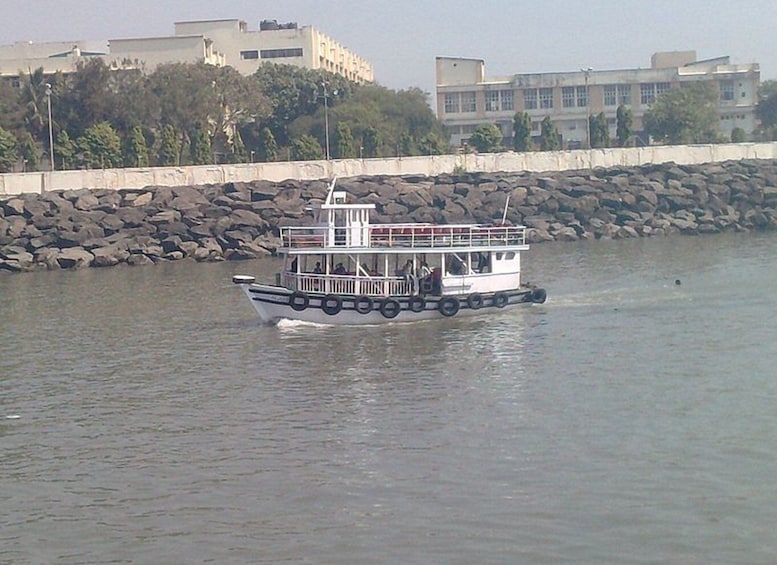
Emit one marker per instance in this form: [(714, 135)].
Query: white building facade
[(215, 42), (466, 98)]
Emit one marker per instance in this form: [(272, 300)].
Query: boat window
[(509, 256), (499, 256)]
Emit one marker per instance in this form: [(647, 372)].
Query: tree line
[(195, 114)]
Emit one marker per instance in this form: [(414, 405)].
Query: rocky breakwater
[(81, 228)]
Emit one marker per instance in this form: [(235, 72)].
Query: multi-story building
[(466, 98), (217, 42)]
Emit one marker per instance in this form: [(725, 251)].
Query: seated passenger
[(339, 269)]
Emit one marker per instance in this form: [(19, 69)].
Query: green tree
[(29, 152), (684, 115), (306, 148), (371, 142), (268, 147), (766, 110), (624, 124), (64, 151), (136, 149), (738, 135), (406, 145), (598, 131), (8, 155), (344, 146), (487, 138), (169, 147), (433, 144), (522, 132), (550, 140), (100, 147), (200, 151)]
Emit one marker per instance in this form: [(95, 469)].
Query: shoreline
[(73, 229)]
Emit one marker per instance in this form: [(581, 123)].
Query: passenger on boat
[(425, 278), (339, 269), (408, 274), (437, 281), (317, 269)]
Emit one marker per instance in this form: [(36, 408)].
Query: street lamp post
[(51, 129), (326, 120), (587, 73)]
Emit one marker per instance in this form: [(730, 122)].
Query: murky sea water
[(146, 417)]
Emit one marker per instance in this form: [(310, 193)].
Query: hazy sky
[(403, 37)]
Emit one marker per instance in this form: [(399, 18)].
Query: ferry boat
[(344, 270)]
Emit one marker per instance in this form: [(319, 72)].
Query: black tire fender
[(449, 306), (331, 304), (500, 300), (390, 308), (362, 304), (475, 301), (298, 301), (416, 303)]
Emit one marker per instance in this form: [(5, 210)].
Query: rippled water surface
[(145, 416)]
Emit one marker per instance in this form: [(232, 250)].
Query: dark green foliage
[(522, 132), (8, 153), (169, 147), (550, 140), (29, 152), (200, 151), (343, 146), (738, 135), (135, 149), (268, 148), (371, 142), (624, 124), (684, 115), (767, 104), (99, 147), (306, 148), (64, 151), (234, 113), (486, 138), (598, 131)]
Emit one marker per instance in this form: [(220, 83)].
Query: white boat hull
[(274, 303)]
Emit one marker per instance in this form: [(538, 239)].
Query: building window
[(624, 94), (452, 103), (727, 90), (281, 53), (507, 100), (492, 101), (610, 95), (662, 88), (568, 97), (582, 96), (247, 55), (530, 99), (535, 126), (468, 102), (546, 98), (647, 93)]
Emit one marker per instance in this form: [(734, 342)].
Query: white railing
[(407, 235), (351, 285)]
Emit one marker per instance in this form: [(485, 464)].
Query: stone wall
[(238, 220), (432, 166)]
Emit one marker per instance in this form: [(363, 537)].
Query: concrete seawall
[(70, 229), (432, 166)]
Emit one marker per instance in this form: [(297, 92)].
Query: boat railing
[(406, 235), (346, 284)]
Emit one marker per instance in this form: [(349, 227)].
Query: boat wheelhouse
[(344, 270)]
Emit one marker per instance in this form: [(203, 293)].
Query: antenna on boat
[(504, 214), (331, 190)]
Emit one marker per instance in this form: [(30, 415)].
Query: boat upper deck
[(404, 236)]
